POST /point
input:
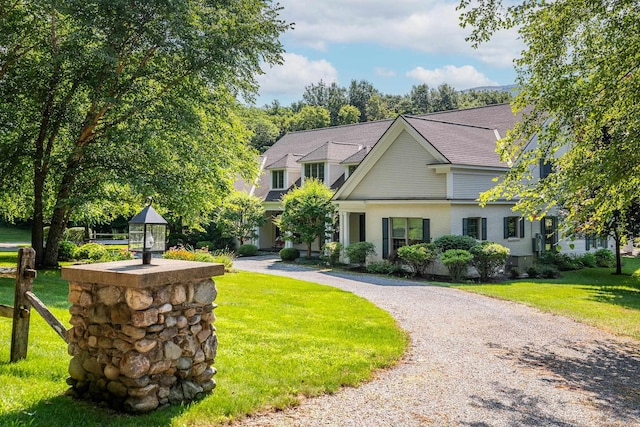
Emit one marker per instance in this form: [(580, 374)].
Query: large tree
[(308, 213), (240, 215), (118, 92), (579, 92)]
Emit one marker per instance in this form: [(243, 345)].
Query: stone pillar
[(142, 335)]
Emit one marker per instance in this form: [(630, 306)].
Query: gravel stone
[(473, 361)]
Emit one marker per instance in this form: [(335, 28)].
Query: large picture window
[(277, 179), (398, 232), (314, 170)]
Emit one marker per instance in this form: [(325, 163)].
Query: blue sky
[(392, 44)]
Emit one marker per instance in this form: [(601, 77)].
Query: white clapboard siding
[(469, 185), (402, 173)]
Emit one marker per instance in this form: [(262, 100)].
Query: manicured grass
[(594, 296), (14, 234), (279, 339), (8, 259)]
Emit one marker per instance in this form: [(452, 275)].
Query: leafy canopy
[(579, 82), (308, 213), (239, 216)]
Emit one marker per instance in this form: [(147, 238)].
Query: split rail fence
[(24, 300)]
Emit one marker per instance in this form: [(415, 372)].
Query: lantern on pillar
[(147, 233)]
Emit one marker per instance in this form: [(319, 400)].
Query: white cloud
[(297, 71), (430, 26), (464, 77), (384, 72)]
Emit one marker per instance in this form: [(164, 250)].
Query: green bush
[(563, 262), (457, 262), (289, 254), (204, 244), (384, 267), (67, 250), (74, 234), (546, 271), (359, 252), (605, 258), (445, 243), (588, 260), (92, 252), (514, 272), (331, 252), (418, 257), (200, 255), (247, 250), (489, 258)]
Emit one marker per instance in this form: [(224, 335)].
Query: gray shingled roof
[(336, 151), (464, 137)]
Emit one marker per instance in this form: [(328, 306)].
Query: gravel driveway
[(473, 361)]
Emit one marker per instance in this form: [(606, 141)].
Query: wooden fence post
[(24, 282)]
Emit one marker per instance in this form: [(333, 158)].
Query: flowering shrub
[(201, 255)]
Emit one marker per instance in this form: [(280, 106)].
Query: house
[(410, 180)]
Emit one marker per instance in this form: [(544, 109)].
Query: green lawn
[(14, 234), (594, 296), (279, 339)]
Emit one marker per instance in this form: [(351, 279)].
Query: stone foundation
[(139, 347)]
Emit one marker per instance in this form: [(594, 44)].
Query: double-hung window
[(314, 170), (398, 232), (277, 179), (513, 227), (475, 227)]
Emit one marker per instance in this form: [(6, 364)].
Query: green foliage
[(95, 252), (418, 257), (308, 213), (204, 244), (289, 254), (240, 215), (457, 262), (201, 255), (447, 242), (75, 235), (547, 271), (159, 78), (489, 258), (331, 252), (514, 272), (588, 260), (562, 262), (385, 267), (605, 258), (247, 250), (359, 252), (67, 250), (348, 114), (310, 117)]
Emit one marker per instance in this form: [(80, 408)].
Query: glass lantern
[(147, 233)]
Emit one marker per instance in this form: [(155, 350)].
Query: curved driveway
[(473, 361)]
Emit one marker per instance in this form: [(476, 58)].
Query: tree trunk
[(308, 250), (37, 233), (60, 216), (618, 240)]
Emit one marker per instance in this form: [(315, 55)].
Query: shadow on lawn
[(628, 298), (607, 371), (64, 411)]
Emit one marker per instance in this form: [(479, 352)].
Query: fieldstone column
[(142, 335)]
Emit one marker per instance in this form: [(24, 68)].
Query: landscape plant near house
[(489, 258), (418, 257), (457, 262), (359, 252), (240, 215), (308, 213)]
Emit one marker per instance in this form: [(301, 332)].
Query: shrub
[(118, 255), (289, 254), (488, 258), (200, 255), (605, 258), (67, 250), (92, 252), (359, 252), (588, 260), (247, 250), (546, 271), (74, 234), (204, 244), (418, 257), (562, 261), (457, 262), (514, 272), (331, 252), (384, 267), (445, 243)]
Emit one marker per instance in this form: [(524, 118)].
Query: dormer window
[(277, 179), (314, 170), (351, 169)]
